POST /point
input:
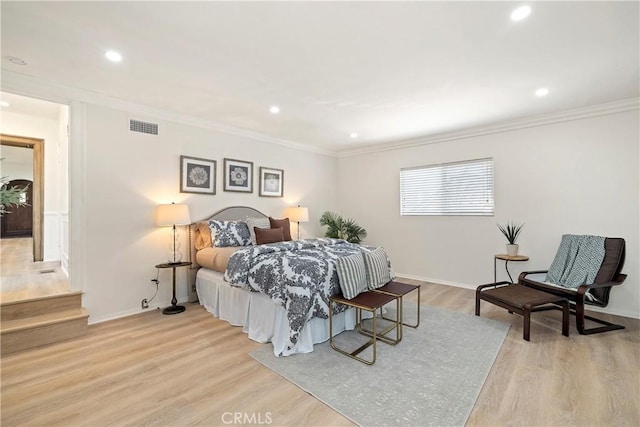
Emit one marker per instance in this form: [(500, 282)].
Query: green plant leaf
[(341, 228), (511, 231)]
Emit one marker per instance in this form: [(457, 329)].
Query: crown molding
[(527, 122), (26, 85)]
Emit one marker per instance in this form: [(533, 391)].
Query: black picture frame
[(271, 182), (238, 176), (197, 175)]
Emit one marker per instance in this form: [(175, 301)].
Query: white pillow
[(378, 267), (352, 275), (259, 223)]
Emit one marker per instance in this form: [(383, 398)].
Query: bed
[(267, 314)]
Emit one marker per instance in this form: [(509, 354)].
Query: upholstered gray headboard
[(236, 213), (232, 213)]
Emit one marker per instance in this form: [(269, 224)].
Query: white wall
[(49, 130), (573, 177), (579, 177), (128, 174)]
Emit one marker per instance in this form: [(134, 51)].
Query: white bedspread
[(261, 318)]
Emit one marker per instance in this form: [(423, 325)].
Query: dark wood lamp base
[(174, 309)]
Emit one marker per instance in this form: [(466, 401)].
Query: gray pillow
[(259, 223), (378, 267), (352, 275)]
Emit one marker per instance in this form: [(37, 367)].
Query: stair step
[(26, 308), (43, 320), (34, 331)]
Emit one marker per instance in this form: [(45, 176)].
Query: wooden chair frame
[(614, 258)]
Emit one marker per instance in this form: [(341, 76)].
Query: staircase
[(42, 320)]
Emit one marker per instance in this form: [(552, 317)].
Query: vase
[(512, 250)]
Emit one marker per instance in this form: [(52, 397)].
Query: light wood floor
[(21, 278), (191, 369)]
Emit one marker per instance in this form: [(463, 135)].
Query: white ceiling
[(33, 107), (390, 71)]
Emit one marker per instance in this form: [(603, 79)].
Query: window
[(459, 188)]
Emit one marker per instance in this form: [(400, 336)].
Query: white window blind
[(459, 188)]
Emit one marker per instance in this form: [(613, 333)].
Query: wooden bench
[(522, 300)]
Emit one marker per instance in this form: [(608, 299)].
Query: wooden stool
[(522, 300), (369, 301)]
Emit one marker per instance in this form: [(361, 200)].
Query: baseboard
[(133, 312), (437, 281)]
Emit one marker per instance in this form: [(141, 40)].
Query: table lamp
[(298, 214), (170, 216)]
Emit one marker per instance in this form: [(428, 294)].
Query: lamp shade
[(173, 214), (298, 214)]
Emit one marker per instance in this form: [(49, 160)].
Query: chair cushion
[(613, 260), (610, 268), (352, 275), (539, 279)]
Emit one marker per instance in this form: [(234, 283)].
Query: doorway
[(37, 189), (20, 222)]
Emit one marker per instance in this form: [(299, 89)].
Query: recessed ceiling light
[(113, 56), (520, 13), (354, 135), (274, 109), (4, 103), (543, 91)]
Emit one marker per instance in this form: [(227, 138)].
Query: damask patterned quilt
[(300, 275)]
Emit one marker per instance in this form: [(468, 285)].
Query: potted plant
[(10, 196), (342, 228), (511, 231)]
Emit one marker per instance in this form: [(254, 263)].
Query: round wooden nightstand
[(174, 308), (506, 258)]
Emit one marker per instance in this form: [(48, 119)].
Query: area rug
[(431, 378)]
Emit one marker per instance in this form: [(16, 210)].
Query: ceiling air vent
[(143, 127)]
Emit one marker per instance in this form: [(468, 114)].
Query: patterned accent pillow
[(259, 223), (230, 233), (378, 267), (352, 275)]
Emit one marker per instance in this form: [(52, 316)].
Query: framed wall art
[(238, 176), (271, 182), (197, 175)]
